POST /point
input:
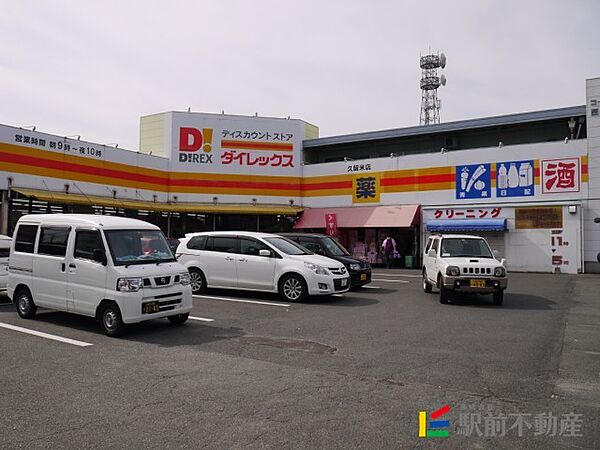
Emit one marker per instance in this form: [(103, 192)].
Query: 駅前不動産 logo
[(434, 428)]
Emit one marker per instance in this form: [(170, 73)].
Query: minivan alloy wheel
[(195, 281), (292, 288)]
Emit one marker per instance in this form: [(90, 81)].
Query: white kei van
[(116, 269), (4, 253)]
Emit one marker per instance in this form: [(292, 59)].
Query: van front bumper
[(170, 301), (463, 284)]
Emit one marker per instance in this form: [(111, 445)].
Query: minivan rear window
[(25, 240), (53, 241), (197, 243)]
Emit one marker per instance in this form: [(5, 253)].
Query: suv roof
[(442, 235)]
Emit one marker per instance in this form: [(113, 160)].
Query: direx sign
[(191, 140)]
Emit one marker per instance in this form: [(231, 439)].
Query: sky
[(92, 68)]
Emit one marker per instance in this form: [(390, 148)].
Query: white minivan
[(259, 262), (116, 269), (4, 253)]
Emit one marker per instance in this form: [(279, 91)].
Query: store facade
[(526, 199)]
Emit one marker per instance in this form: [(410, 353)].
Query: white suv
[(462, 263), (259, 262)]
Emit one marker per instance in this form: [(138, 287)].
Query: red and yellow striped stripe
[(43, 163)]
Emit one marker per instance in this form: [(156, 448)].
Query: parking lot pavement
[(349, 371)]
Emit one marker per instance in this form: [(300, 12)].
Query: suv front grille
[(477, 270)]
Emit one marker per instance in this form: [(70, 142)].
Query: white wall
[(591, 229)]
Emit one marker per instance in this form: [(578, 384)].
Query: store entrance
[(366, 243)]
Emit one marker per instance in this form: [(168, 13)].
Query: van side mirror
[(431, 253), (264, 252), (503, 262), (100, 256)]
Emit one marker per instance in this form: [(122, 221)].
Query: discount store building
[(528, 182)]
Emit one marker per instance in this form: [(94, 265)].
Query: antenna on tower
[(430, 82)]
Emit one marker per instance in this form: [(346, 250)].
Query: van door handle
[(72, 266), (229, 258), (63, 267), (243, 260)]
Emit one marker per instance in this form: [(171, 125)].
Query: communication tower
[(430, 82)]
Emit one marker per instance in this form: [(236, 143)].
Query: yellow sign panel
[(540, 217), (366, 188)]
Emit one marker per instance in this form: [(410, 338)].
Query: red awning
[(402, 216)]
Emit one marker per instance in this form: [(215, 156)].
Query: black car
[(321, 244), (173, 244)]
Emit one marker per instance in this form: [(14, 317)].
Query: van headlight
[(453, 271), (129, 284), (499, 271), (319, 270), (354, 266), (184, 278)]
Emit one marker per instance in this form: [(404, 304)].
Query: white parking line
[(45, 335), (370, 287), (407, 275), (201, 319), (239, 300), (389, 281)]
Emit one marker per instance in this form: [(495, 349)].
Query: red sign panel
[(331, 224)]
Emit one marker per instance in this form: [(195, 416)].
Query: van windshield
[(138, 247), (466, 247)]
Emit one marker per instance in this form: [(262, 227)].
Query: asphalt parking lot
[(350, 371)]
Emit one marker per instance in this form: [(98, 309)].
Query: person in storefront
[(388, 247)]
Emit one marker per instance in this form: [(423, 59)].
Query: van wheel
[(112, 322), (426, 284), (444, 293), (26, 308), (178, 319), (293, 288), (498, 297), (197, 281)]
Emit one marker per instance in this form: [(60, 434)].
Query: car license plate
[(363, 276), (477, 283), (344, 282), (150, 307)]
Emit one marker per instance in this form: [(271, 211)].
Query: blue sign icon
[(515, 179), (474, 181)]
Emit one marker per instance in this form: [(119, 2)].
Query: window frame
[(35, 238), (41, 235), (203, 236), (96, 230), (259, 242), (212, 241)]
